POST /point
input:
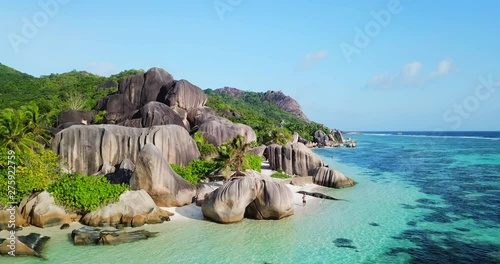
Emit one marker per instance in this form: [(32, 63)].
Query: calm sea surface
[(421, 198)]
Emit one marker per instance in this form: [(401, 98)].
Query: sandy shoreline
[(187, 213)]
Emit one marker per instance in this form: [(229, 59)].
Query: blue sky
[(353, 65)]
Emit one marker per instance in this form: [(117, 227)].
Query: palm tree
[(15, 133), (233, 155), (37, 123)]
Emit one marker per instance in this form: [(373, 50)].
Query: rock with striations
[(253, 196), (154, 174), (200, 115), (11, 215), (86, 149), (293, 159), (135, 208), (39, 209), (337, 134), (156, 114), (185, 95), (94, 236), (285, 102), (220, 130), (29, 245), (131, 88), (77, 116), (330, 178), (141, 89), (117, 104), (154, 80)]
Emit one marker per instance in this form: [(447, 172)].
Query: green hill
[(78, 90)]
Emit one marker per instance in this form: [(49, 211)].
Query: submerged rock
[(154, 174), (95, 236), (135, 208), (253, 196), (319, 195), (330, 178), (29, 245)]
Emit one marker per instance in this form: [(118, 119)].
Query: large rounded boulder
[(154, 175), (220, 130), (87, 149), (135, 208), (156, 114), (252, 196), (293, 159), (330, 178), (185, 95), (39, 209)]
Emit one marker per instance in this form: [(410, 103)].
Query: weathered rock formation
[(135, 208), (284, 102), (293, 159), (330, 178), (39, 209), (29, 245), (157, 114), (86, 149), (95, 236), (154, 174), (11, 215), (185, 95), (252, 196), (76, 116), (231, 91), (281, 100), (220, 130), (143, 88)]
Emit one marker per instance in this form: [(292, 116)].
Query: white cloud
[(411, 70), (312, 58), (410, 76), (101, 68), (443, 69)]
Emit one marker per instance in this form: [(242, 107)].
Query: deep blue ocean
[(459, 172)]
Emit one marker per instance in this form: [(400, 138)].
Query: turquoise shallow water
[(417, 200)]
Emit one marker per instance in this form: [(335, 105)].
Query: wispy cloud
[(444, 67), (101, 68), (410, 75), (312, 58)]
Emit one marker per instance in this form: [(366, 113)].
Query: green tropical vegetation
[(270, 123), (196, 170), (280, 175), (29, 105), (83, 193)]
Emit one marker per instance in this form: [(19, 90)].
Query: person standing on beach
[(303, 200)]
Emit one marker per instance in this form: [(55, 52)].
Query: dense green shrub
[(253, 162), (32, 172), (196, 170), (85, 193), (280, 175), (207, 150)]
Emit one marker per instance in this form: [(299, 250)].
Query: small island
[(127, 150)]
